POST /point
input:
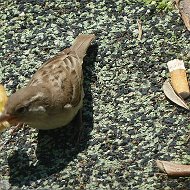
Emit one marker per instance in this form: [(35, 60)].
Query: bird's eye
[(21, 110)]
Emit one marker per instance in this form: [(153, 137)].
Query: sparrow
[(54, 95)]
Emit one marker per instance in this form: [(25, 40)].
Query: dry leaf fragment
[(184, 8), (172, 169), (3, 100), (171, 94)]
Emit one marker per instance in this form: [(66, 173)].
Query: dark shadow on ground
[(55, 149)]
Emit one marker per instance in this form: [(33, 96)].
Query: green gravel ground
[(128, 121)]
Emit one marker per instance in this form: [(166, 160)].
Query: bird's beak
[(8, 117)]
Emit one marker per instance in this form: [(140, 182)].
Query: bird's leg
[(78, 127), (14, 130), (17, 128)]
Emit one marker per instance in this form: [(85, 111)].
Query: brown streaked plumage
[(54, 95)]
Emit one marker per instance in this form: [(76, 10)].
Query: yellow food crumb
[(3, 101)]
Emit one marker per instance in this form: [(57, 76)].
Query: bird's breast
[(56, 120)]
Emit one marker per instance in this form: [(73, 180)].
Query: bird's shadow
[(54, 147)]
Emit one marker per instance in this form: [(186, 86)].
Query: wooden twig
[(139, 23)]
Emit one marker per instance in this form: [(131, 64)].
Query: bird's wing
[(62, 74)]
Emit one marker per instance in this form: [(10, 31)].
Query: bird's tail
[(81, 44)]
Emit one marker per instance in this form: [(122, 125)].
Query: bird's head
[(25, 105)]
